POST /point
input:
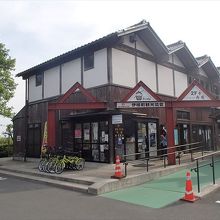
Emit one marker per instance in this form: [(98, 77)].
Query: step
[(77, 180), (53, 182)]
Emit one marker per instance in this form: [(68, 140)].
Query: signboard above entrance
[(140, 104), (141, 95), (196, 94)]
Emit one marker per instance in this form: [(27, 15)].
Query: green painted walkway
[(165, 190)]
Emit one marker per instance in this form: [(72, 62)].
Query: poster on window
[(78, 133), (86, 135)]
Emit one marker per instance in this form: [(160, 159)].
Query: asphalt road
[(21, 200)]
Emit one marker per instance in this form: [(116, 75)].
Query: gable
[(177, 61), (141, 93), (195, 92), (140, 45)]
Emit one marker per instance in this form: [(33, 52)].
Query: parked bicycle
[(55, 163)]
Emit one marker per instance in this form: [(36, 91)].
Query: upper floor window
[(39, 79), (182, 115), (88, 61)]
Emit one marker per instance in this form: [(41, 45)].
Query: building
[(107, 97)]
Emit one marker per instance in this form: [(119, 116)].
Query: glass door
[(141, 140), (152, 139)]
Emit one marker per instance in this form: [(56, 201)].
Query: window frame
[(88, 61), (39, 79)]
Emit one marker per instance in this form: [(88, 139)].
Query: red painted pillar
[(170, 133), (51, 128)]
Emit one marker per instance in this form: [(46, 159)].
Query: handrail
[(146, 152), (207, 155), (164, 156), (212, 164)]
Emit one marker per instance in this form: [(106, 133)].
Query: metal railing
[(212, 164), (178, 154)]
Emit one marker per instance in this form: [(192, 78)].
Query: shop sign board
[(18, 138), (116, 119), (196, 94), (140, 104)]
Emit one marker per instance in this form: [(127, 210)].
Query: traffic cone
[(189, 196), (118, 172)]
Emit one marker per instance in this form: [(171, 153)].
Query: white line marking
[(218, 201)]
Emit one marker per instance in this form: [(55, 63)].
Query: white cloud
[(36, 31)]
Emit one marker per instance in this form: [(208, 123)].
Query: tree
[(7, 84)]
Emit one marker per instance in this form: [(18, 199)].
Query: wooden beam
[(78, 106)]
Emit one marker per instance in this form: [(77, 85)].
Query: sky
[(37, 30)]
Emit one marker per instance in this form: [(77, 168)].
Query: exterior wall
[(98, 75), (147, 73), (71, 73), (177, 61), (52, 82), (123, 68), (202, 72), (140, 45), (165, 80), (181, 83), (35, 92)]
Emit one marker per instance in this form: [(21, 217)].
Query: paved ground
[(164, 190), (22, 200)]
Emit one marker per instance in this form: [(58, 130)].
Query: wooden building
[(79, 93)]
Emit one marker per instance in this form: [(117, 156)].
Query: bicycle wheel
[(79, 164), (59, 167), (51, 166), (41, 165)]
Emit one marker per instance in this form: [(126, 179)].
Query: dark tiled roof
[(202, 60), (175, 46), (145, 30), (68, 54)]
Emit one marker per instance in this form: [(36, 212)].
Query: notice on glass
[(102, 147)]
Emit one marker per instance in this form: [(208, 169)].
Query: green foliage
[(7, 84), (6, 147)]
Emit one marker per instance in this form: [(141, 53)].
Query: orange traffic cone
[(189, 196), (118, 172)]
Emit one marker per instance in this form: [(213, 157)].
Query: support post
[(51, 128), (170, 134)]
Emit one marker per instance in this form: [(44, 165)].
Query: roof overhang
[(208, 66), (184, 54)]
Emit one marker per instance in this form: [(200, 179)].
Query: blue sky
[(37, 30)]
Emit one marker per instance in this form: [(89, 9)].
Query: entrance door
[(142, 145), (152, 138), (34, 140), (146, 139)]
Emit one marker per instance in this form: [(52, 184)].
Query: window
[(183, 115), (39, 79), (88, 61)]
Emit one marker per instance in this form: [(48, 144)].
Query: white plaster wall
[(177, 61), (127, 42), (35, 92), (71, 73), (123, 68), (98, 75), (180, 82), (52, 82), (142, 46), (165, 80), (147, 73), (202, 72)]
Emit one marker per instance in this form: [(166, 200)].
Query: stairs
[(75, 184)]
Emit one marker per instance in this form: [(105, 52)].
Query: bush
[(6, 150)]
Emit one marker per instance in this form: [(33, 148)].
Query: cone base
[(190, 200), (117, 177)]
